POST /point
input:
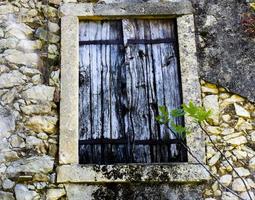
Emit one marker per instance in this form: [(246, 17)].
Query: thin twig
[(201, 163), (222, 154)]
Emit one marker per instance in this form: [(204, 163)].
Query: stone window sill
[(154, 173)]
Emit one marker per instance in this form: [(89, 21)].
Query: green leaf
[(163, 117), (178, 112), (196, 112)]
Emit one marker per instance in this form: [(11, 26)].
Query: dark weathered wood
[(120, 91), (99, 101), (152, 80)]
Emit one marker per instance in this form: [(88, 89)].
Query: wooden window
[(128, 68)]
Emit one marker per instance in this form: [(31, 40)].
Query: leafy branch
[(199, 115)]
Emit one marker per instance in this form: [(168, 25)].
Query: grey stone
[(7, 121), (242, 112), (226, 64), (53, 27), (23, 193), (179, 173), (42, 124), (9, 96), (237, 141), (226, 179), (36, 109), (228, 196), (8, 184), (211, 103), (17, 141), (34, 164), (242, 172), (55, 194), (6, 195), (43, 35), (18, 57), (6, 9), (122, 9), (11, 79), (29, 45), (39, 92), (29, 71), (252, 164), (239, 186)]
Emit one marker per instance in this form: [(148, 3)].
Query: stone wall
[(29, 98), (231, 127)]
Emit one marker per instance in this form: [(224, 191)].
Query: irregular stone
[(35, 143), (29, 45), (43, 35), (36, 109), (227, 131), (9, 43), (35, 164), (17, 141), (36, 79), (53, 27), (228, 196), (18, 57), (242, 172), (42, 124), (9, 96), (240, 154), (226, 118), (39, 92), (10, 156), (8, 184), (214, 130), (11, 79), (55, 194), (240, 111), (42, 136), (253, 136), (3, 69), (2, 168), (210, 21), (237, 141), (23, 193), (54, 78), (233, 135), (214, 159), (53, 49), (252, 164), (7, 121), (239, 186), (6, 195), (211, 103), (226, 179), (243, 125), (29, 71), (245, 195), (20, 31), (210, 88), (6, 9), (1, 33)]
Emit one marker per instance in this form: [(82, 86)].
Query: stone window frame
[(69, 169)]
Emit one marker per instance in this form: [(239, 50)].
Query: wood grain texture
[(120, 91)]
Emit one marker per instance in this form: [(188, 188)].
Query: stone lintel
[(127, 9), (69, 104), (162, 173)]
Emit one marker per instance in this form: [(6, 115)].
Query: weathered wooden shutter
[(128, 69)]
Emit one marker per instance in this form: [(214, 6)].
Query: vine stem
[(223, 155), (202, 164)]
